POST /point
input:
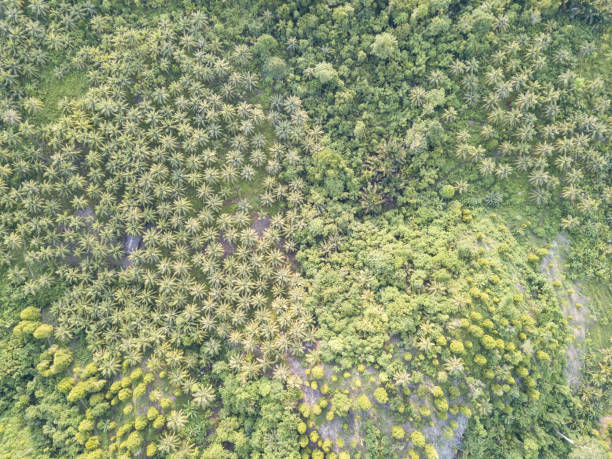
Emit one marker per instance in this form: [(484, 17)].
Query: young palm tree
[(168, 442), (539, 177)]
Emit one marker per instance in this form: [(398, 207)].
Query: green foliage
[(133, 441), (457, 347), (317, 372), (341, 404), (384, 46), (159, 422), (325, 73), (83, 388), (140, 423), (275, 67), (54, 360), (43, 331), (139, 391), (447, 191), (152, 413), (398, 432), (151, 449), (417, 439), (380, 394), (195, 198), (363, 402), (31, 314)]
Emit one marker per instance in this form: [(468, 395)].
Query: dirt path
[(574, 307)]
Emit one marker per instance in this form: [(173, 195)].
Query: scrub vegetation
[(307, 229)]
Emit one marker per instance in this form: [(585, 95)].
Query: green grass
[(51, 90), (600, 63), (600, 296), (15, 440)]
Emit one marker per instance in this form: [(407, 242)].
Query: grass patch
[(15, 440), (600, 296), (51, 90)]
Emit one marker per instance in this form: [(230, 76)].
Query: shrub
[(136, 374), (464, 250), (95, 399), (363, 402), (384, 45), (90, 370), (441, 404), (265, 45), (447, 191), (152, 413), (140, 390), (398, 432), (488, 342), (165, 403), (542, 355), (114, 387), (99, 410), (151, 449), (418, 439), (92, 443), (476, 330), (159, 422), (380, 394), (66, 384), (134, 440), (318, 372), (275, 67), (62, 358), (30, 313), (304, 410), (25, 327), (318, 454), (81, 389), (86, 425), (124, 394), (140, 422), (43, 331), (430, 451), (325, 73)]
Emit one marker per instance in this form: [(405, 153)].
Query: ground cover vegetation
[(300, 229)]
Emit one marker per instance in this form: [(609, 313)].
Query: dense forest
[(309, 229)]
